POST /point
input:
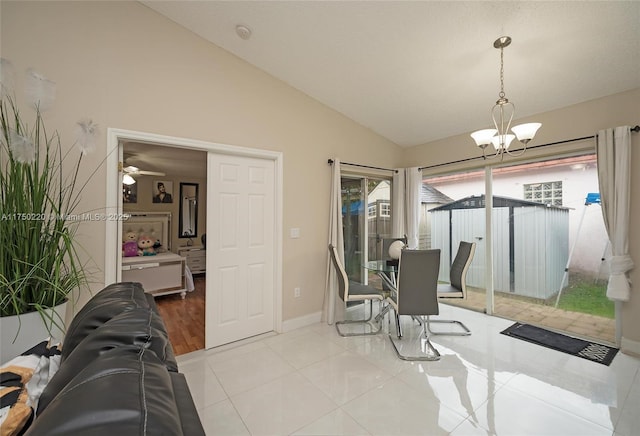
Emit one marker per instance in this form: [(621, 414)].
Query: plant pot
[(18, 333)]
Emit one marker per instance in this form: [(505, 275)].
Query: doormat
[(567, 344)]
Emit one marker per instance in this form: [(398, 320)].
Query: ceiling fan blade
[(150, 173), (131, 170)]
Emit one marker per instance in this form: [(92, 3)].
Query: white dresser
[(196, 258), (160, 274)]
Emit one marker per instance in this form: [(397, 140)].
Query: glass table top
[(380, 266)]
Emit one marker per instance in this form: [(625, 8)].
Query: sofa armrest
[(189, 418), (128, 391)]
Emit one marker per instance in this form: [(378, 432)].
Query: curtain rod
[(330, 162), (634, 129)]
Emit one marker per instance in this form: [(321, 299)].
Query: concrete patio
[(576, 324), (573, 323)]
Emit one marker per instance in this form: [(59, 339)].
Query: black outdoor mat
[(567, 344)]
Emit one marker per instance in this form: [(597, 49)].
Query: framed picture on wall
[(162, 191), (130, 193)]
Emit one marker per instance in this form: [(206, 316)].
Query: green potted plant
[(39, 263)]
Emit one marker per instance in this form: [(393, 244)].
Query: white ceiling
[(417, 71), (174, 162)]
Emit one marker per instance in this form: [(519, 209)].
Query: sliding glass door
[(366, 220), (547, 237), (453, 210), (557, 243)]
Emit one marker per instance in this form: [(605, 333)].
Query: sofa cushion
[(127, 391), (109, 302), (139, 327)]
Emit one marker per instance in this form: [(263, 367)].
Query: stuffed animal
[(145, 245), (130, 244)]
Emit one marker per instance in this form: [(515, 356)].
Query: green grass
[(585, 296)]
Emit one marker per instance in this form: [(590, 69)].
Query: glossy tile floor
[(313, 382)]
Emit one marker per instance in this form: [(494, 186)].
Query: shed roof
[(478, 202), (429, 194)]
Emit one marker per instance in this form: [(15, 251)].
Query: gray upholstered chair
[(350, 291), (416, 295), (457, 288)]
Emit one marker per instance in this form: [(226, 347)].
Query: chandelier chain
[(501, 94)]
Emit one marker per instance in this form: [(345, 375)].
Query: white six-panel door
[(240, 248)]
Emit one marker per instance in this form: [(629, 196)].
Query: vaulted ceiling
[(417, 71)]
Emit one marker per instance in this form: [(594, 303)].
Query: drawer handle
[(145, 266)]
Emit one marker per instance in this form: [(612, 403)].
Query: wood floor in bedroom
[(184, 319)]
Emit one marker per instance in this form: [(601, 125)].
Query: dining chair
[(350, 291), (416, 295), (456, 288)]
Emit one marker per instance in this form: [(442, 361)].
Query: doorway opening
[(115, 203)]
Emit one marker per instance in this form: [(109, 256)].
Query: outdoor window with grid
[(547, 193), (385, 209), (371, 211)]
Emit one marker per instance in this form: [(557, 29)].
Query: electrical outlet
[(296, 292)]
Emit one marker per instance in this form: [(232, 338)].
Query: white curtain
[(398, 222), (412, 203), (405, 204), (613, 147), (332, 305)]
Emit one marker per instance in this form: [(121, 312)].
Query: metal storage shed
[(530, 243)]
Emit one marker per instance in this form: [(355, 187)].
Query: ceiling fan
[(131, 170)]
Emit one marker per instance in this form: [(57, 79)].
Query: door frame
[(113, 206)]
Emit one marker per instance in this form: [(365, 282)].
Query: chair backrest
[(418, 282), (460, 265), (386, 243), (343, 280)]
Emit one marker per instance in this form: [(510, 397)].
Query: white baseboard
[(628, 346), (302, 321), (312, 318)]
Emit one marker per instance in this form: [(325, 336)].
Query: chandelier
[(502, 114)]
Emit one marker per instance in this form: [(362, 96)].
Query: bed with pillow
[(163, 272)]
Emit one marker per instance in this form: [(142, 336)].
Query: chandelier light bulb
[(502, 141), (483, 137), (526, 132)]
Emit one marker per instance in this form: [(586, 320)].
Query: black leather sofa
[(118, 374)]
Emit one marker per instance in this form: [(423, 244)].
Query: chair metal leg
[(365, 321), (465, 330), (383, 312), (426, 347)]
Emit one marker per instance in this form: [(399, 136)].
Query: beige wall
[(127, 67), (575, 121)]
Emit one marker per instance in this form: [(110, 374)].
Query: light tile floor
[(310, 381)]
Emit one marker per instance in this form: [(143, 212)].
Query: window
[(546, 193), (372, 211), (385, 209)]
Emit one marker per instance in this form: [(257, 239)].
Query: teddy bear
[(145, 245), (130, 244)]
